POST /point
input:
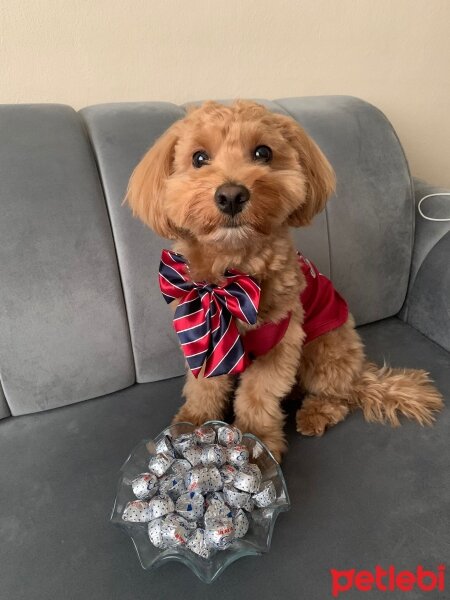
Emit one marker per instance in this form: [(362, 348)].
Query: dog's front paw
[(195, 417)]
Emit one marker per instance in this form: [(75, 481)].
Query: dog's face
[(228, 173)]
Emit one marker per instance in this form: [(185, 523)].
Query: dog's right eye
[(200, 158)]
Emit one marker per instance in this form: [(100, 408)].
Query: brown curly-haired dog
[(286, 181)]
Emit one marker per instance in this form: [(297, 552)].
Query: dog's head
[(230, 173)]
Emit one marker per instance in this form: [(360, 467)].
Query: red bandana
[(205, 318), (324, 310)]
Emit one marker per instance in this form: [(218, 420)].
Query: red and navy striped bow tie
[(205, 318)]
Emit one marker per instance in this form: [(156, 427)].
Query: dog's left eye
[(262, 153), (200, 158)]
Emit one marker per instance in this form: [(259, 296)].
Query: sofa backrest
[(362, 240), (81, 312), (63, 330)]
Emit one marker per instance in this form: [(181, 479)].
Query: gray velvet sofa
[(89, 364)]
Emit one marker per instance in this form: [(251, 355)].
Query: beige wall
[(393, 53)]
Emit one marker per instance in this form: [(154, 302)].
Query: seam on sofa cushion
[(326, 206), (100, 178), (4, 407), (93, 117), (412, 197)]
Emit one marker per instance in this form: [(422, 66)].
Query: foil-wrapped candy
[(229, 435), (213, 482), (205, 435), (180, 466), (203, 479), (214, 499), (240, 522), (248, 479), (174, 531), (198, 545), (160, 463), (144, 486), (183, 442), (159, 506), (216, 512), (137, 511), (195, 479), (228, 473), (213, 454), (172, 485), (219, 533), (238, 455), (191, 506), (235, 498), (194, 455), (191, 525), (165, 446), (154, 533), (266, 495), (249, 506)]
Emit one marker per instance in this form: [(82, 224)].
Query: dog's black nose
[(231, 197)]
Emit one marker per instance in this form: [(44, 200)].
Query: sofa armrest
[(427, 305)]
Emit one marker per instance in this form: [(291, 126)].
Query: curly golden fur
[(177, 201)]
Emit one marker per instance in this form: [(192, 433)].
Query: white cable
[(430, 196)]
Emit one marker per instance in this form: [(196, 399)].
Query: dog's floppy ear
[(145, 193), (319, 174)]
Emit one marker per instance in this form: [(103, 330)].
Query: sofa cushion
[(363, 240), (63, 329), (362, 495)]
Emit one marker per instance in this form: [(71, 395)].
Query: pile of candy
[(198, 491)]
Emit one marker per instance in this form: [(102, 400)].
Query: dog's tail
[(383, 393)]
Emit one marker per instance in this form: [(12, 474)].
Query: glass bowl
[(261, 520)]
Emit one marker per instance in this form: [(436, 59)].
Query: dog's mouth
[(232, 233), (233, 223)]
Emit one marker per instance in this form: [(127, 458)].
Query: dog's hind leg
[(337, 379), (328, 368)]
